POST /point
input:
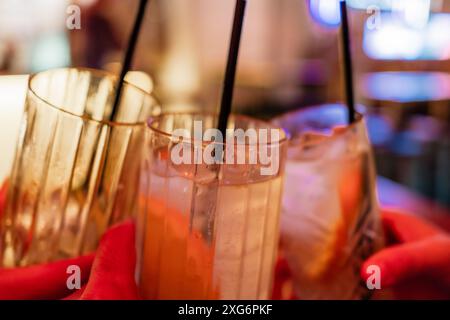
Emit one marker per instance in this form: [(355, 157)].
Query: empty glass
[(75, 172)]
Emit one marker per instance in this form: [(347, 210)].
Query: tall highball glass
[(209, 230)]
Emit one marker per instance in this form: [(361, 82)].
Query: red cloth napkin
[(415, 265), (43, 281), (111, 276), (416, 262)]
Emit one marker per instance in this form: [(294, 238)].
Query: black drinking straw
[(347, 56), (230, 73), (128, 59)]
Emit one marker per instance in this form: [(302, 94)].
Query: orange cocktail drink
[(207, 231)]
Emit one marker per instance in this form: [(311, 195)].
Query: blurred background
[(289, 60)]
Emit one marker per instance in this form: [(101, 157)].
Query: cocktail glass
[(75, 172), (209, 231), (330, 220)]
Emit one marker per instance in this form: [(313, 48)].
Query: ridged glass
[(206, 231), (75, 172)]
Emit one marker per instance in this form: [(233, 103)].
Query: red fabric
[(43, 281), (112, 275), (416, 264), (110, 278)]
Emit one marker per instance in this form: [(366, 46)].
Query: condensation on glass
[(330, 218), (74, 171), (207, 231)]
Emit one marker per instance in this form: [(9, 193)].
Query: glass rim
[(359, 120), (104, 73), (191, 140)]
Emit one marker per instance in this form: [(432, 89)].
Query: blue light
[(364, 4), (396, 40), (325, 12), (407, 87)]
